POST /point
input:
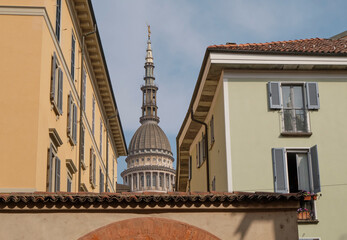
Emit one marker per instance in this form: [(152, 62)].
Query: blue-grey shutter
[(274, 91), (315, 169), (57, 19), (279, 170), (94, 169), (84, 90), (74, 122), (101, 181), (93, 116), (73, 45), (82, 143), (91, 166), (190, 168), (57, 174), (69, 115), (60, 91), (312, 95), (53, 73), (49, 169)]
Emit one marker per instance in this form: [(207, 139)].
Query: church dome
[(149, 136)]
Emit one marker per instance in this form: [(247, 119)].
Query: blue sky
[(181, 31)]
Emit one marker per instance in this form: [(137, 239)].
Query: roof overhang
[(215, 62), (87, 23)]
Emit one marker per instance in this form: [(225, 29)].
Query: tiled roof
[(303, 46), (146, 197)]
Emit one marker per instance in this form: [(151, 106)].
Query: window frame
[(56, 88), (58, 19), (72, 120), (73, 55)]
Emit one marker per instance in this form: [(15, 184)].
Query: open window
[(294, 100)]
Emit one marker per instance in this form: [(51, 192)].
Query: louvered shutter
[(53, 74), (57, 174), (84, 90), (190, 168), (197, 154), (82, 144), (203, 147), (91, 166), (274, 91), (312, 95), (74, 122), (69, 115), (49, 169), (94, 169), (315, 169), (60, 91), (279, 170)]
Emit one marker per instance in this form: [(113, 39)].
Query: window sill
[(296, 134), (315, 221)]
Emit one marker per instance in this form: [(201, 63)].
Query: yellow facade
[(246, 130), (30, 122)]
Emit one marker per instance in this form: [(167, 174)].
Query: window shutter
[(57, 174), (315, 169), (197, 154), (53, 74), (203, 147), (60, 91), (280, 170), (84, 91), (91, 166), (190, 168), (93, 116), (94, 169), (312, 95), (69, 115), (275, 101), (49, 169), (74, 122), (82, 144), (201, 154)]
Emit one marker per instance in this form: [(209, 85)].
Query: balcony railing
[(295, 121)]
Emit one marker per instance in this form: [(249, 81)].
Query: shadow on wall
[(257, 224)]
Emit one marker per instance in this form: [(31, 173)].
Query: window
[(161, 180), (101, 181), (214, 184), (100, 150), (57, 20), (167, 181), (294, 100), (190, 168), (53, 162), (212, 130), (296, 170), (56, 86), (72, 120), (200, 151), (93, 116), (135, 182), (92, 168), (73, 48), (148, 180), (84, 83), (142, 181), (154, 179), (71, 170)]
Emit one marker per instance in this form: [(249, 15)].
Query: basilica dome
[(149, 136)]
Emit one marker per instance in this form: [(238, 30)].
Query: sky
[(181, 32)]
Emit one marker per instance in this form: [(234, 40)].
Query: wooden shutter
[(74, 122), (279, 170), (82, 144), (274, 91), (60, 91), (315, 169), (69, 116), (91, 165), (312, 95), (53, 74), (57, 174)]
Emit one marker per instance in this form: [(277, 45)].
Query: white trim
[(227, 132), (237, 58), (9, 190), (284, 75)]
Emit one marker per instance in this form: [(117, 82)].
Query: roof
[(149, 136), (302, 46), (87, 22), (115, 199)]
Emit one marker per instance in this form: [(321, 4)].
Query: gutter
[(206, 149)]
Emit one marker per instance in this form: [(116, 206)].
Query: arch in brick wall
[(149, 228)]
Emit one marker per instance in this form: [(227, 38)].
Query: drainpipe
[(206, 148), (82, 108)]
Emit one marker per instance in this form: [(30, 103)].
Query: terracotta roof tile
[(313, 45)]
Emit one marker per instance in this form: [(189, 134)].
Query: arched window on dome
[(154, 180), (142, 182), (148, 180)]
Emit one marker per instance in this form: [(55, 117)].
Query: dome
[(149, 136)]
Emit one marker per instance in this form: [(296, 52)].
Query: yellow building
[(272, 117), (60, 127)]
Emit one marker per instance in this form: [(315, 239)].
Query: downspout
[(206, 148), (82, 108)]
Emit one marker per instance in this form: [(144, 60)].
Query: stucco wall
[(254, 130), (225, 225)]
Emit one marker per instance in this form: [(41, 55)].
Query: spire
[(149, 89)]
